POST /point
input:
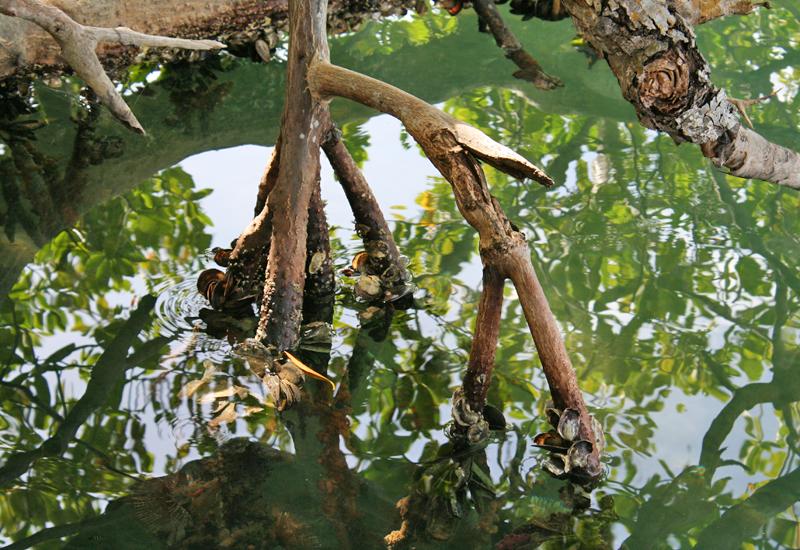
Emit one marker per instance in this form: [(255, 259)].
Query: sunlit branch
[(78, 44)]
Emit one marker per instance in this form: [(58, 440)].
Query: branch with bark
[(652, 51), (698, 11), (78, 44)]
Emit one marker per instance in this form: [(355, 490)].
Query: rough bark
[(702, 11), (301, 125), (320, 282), (651, 49)]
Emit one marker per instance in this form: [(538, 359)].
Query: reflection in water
[(676, 288), (183, 314)]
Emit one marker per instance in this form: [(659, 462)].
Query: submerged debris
[(283, 377)]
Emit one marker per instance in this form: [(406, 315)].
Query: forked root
[(454, 149)]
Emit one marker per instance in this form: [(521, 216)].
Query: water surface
[(676, 288)]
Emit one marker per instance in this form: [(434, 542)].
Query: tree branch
[(484, 343), (652, 52), (78, 44), (383, 257), (420, 119)]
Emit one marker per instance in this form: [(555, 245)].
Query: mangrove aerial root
[(381, 270), (455, 148)]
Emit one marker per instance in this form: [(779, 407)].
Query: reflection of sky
[(398, 176)]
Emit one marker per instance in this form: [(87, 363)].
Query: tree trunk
[(301, 129)]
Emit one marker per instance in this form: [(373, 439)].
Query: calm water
[(676, 287)]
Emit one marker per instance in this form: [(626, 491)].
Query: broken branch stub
[(420, 119), (78, 44)]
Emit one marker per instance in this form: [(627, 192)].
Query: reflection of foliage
[(73, 289), (193, 90), (676, 287), (357, 142), (386, 36)]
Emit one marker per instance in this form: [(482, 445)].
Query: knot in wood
[(664, 82)]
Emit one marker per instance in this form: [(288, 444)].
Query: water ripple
[(178, 312)]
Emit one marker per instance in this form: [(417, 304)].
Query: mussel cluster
[(571, 457), (222, 293), (473, 425)]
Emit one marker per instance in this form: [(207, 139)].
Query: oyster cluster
[(571, 457)]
